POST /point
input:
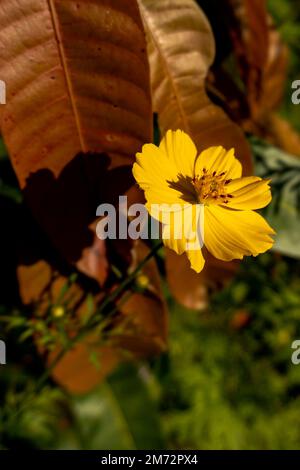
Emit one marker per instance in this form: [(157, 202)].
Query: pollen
[(212, 187)]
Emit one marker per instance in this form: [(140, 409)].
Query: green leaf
[(3, 151), (10, 192), (283, 213), (120, 414)]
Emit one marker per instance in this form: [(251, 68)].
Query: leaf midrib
[(166, 66), (59, 40)]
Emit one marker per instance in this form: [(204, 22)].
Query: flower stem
[(108, 300), (128, 280)]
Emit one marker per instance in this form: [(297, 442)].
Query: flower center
[(212, 187)]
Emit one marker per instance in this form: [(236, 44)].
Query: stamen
[(211, 187)]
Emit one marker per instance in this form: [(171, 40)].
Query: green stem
[(128, 280), (113, 296)]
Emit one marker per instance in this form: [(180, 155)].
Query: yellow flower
[(177, 182), (58, 311), (142, 281)]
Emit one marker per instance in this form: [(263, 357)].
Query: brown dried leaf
[(280, 133), (252, 95), (261, 55), (78, 374), (181, 50), (192, 290), (250, 37), (78, 90), (275, 73)]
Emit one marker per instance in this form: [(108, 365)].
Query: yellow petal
[(249, 193), (181, 151), (152, 171), (182, 233), (219, 160), (154, 166), (162, 212), (165, 172), (196, 259), (232, 234), (163, 194)]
